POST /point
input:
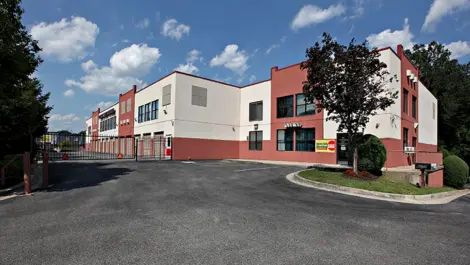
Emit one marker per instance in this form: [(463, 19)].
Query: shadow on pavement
[(76, 175)]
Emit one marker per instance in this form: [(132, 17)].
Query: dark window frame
[(405, 100), (285, 107), (154, 110), (147, 112), (304, 106), (405, 137), (255, 110), (414, 104), (257, 144), (140, 117), (305, 145), (286, 143)]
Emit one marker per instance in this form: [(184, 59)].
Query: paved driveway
[(219, 213)]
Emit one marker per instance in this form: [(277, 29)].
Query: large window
[(199, 96), (285, 107), (256, 140), (256, 111), (303, 107), (285, 140), (405, 101), (405, 137), (413, 107), (154, 114), (147, 112), (305, 140), (129, 104), (123, 107), (141, 114)]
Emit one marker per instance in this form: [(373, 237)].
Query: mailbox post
[(424, 167)]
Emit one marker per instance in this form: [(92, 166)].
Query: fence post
[(136, 148), (27, 173), (45, 170)]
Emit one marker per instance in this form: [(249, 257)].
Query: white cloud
[(274, 46), (187, 68), (144, 23), (102, 105), (459, 49), (231, 58), (311, 14), (172, 29), (358, 9), (58, 122), (69, 93), (252, 78), (393, 38), (125, 41), (442, 8), (193, 56), (66, 40), (66, 117), (126, 66)]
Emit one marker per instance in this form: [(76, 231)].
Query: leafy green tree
[(449, 82), (23, 105), (349, 82)]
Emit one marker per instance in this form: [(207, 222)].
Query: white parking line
[(251, 169)]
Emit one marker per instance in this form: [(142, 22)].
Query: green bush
[(372, 154), (455, 171), (64, 144), (445, 152)]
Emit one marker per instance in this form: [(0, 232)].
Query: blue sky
[(95, 49)]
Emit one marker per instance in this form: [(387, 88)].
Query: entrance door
[(342, 148)]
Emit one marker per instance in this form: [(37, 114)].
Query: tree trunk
[(355, 169)]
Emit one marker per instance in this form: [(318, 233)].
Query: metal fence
[(99, 147)]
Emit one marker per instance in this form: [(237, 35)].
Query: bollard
[(45, 170), (27, 173)]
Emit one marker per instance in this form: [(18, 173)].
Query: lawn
[(383, 184)]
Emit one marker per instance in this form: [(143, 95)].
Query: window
[(305, 140), (140, 115), (147, 112), (405, 101), (199, 96), (433, 111), (303, 107), (256, 111), (154, 114), (405, 137), (166, 95), (285, 140), (413, 142), (89, 130), (413, 107), (256, 140), (285, 107), (123, 107), (129, 104)]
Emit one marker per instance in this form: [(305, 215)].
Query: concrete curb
[(9, 190), (438, 198)]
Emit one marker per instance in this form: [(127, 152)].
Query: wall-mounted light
[(256, 126), (377, 125), (164, 111)]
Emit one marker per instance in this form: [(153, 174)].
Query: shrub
[(372, 155), (455, 171)]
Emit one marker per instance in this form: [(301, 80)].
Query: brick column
[(27, 173)]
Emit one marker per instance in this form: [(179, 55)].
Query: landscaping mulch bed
[(362, 175)]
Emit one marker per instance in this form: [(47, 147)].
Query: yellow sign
[(325, 146), (46, 139)]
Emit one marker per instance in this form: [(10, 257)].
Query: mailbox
[(423, 166)]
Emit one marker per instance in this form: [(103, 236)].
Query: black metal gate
[(69, 146)]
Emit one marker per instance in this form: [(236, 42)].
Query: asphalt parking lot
[(218, 212)]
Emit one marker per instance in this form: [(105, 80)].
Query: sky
[(95, 49)]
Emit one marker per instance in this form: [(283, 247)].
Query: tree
[(349, 82), (23, 106), (449, 82)]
